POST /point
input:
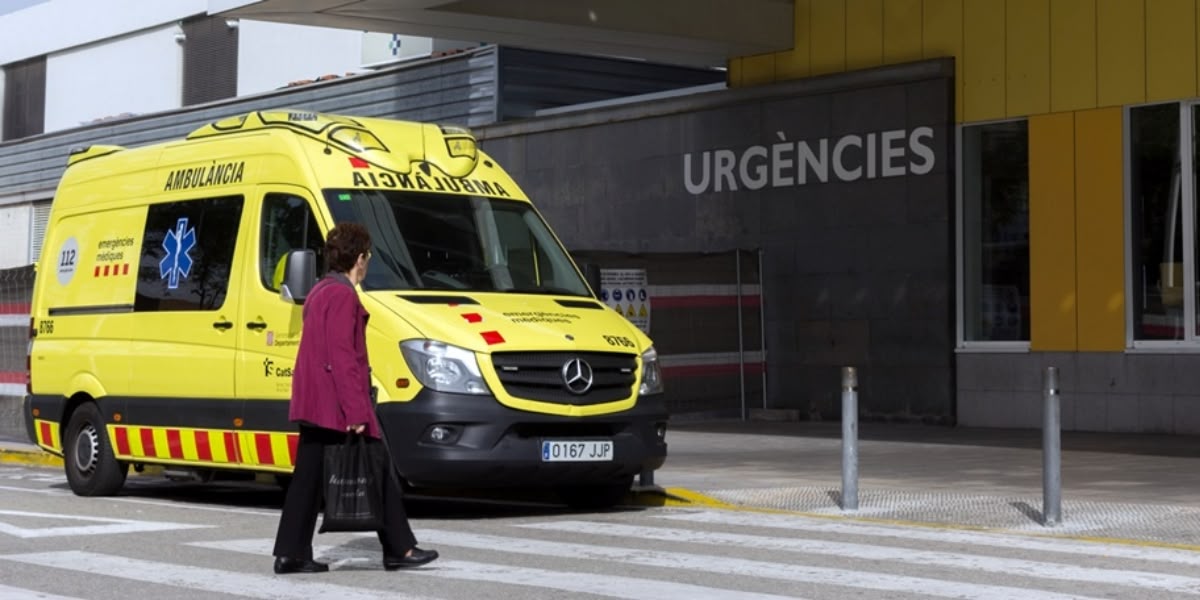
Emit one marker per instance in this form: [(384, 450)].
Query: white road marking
[(199, 578), (8, 592), (109, 526), (9, 488), (729, 565), (27, 474), (192, 506), (615, 586), (974, 562), (949, 536)]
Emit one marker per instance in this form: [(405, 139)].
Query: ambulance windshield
[(468, 243)]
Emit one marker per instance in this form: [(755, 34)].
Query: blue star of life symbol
[(177, 244)]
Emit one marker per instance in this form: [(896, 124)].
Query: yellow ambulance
[(166, 312)]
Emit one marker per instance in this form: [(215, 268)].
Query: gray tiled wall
[(1099, 391)]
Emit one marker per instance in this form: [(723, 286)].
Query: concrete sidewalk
[(1142, 489)]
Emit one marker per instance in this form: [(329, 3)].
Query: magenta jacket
[(331, 381)]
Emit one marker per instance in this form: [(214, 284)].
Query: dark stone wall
[(857, 269)]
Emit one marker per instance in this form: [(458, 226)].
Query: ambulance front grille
[(539, 376)]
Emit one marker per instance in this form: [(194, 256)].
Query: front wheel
[(595, 497), (87, 456)]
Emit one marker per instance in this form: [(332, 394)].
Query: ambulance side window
[(187, 254), (287, 224)]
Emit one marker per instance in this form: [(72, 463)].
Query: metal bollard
[(849, 439), (1051, 452)]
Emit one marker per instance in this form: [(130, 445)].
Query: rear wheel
[(594, 497), (87, 456)]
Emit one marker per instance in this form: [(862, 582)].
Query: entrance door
[(267, 327), (184, 345)]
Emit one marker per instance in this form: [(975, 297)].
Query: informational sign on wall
[(625, 291)]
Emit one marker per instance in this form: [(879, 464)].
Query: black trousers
[(298, 520)]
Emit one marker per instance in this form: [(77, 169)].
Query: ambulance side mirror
[(299, 276), (591, 274)]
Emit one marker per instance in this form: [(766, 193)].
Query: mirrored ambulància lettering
[(198, 177), (849, 158), (405, 181)]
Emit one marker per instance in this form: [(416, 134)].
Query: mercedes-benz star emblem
[(577, 376)]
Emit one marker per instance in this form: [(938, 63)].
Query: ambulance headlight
[(651, 374), (443, 367)]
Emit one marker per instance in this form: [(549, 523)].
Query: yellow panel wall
[(942, 36), (1120, 52), (1170, 49), (1052, 296), (826, 36), (1072, 55), (1013, 58), (983, 60), (1099, 229), (1068, 65), (796, 64), (1027, 57), (901, 31), (864, 34), (758, 70)]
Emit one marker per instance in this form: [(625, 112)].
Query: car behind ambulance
[(167, 312)]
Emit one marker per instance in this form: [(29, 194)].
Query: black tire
[(87, 455), (595, 497)]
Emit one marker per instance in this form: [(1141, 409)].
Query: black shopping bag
[(354, 473)]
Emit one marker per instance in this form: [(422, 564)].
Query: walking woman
[(331, 397)]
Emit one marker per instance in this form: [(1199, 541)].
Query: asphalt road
[(179, 540)]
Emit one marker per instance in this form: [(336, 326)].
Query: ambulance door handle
[(223, 325), (256, 325)]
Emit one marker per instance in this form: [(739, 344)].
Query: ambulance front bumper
[(457, 440)]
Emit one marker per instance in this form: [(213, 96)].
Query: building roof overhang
[(687, 32)]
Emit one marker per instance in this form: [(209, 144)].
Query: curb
[(653, 496), (32, 458)]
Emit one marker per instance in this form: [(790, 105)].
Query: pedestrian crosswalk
[(652, 555)]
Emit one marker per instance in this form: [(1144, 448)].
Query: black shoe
[(285, 565), (417, 558)]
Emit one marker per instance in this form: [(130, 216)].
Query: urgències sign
[(892, 153)]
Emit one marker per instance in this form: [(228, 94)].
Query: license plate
[(577, 450)]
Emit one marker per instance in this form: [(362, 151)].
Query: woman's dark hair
[(343, 245)]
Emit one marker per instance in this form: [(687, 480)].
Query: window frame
[(148, 303), (962, 344), (260, 234), (1188, 190)]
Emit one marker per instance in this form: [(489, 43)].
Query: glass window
[(1156, 224), (995, 232), (446, 242), (187, 252), (287, 224)]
